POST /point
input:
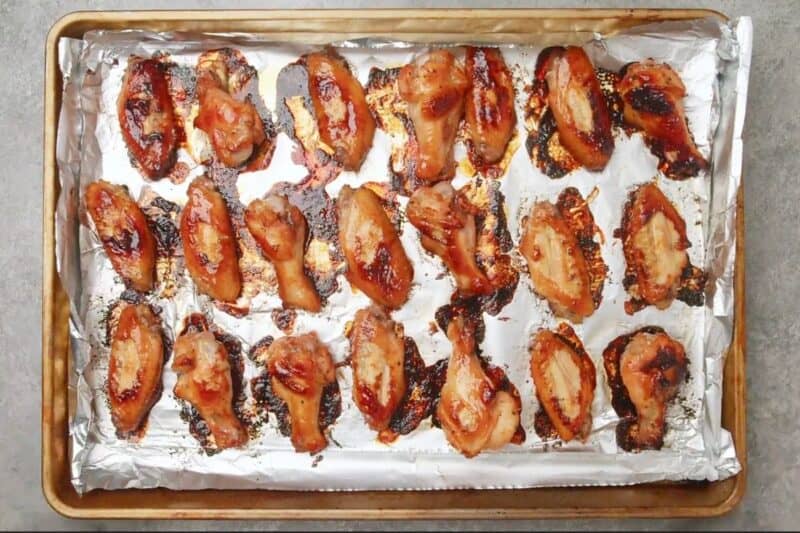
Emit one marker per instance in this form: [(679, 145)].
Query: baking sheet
[(90, 148)]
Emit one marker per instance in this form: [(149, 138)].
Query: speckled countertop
[(772, 191)]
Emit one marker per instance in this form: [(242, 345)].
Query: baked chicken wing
[(645, 370), (146, 116), (135, 367), (280, 230), (376, 261), (652, 95), (204, 380), (124, 232), (209, 242), (340, 105), (490, 114), (434, 86)]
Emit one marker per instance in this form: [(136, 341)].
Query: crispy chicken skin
[(204, 380), (645, 370), (377, 355), (447, 229), (280, 230), (434, 86), (578, 105), (134, 369), (564, 377), (124, 232), (489, 113), (652, 95), (146, 116), (300, 367), (558, 269), (376, 261), (209, 243), (474, 414), (340, 105)]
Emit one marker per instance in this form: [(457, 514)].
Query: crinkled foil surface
[(712, 59)]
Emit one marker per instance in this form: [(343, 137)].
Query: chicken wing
[(280, 230), (135, 367), (300, 369), (343, 118), (564, 377), (447, 229), (124, 232), (204, 380), (433, 87), (146, 116), (209, 242), (645, 370), (652, 95), (491, 119), (654, 241), (376, 261), (377, 355)]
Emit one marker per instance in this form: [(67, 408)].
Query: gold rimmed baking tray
[(560, 25)]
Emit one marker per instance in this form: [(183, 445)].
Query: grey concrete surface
[(772, 160)]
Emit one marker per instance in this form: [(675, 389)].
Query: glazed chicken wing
[(124, 232), (490, 114), (376, 261), (280, 230), (448, 230), (209, 243), (377, 357), (146, 116), (564, 377), (433, 87), (300, 367), (340, 105), (134, 369), (652, 95), (204, 380), (578, 105), (645, 370)]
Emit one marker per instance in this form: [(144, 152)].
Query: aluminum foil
[(713, 59)]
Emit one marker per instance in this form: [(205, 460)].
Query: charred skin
[(578, 105), (377, 264), (564, 377), (490, 116), (645, 370), (135, 368), (280, 230), (209, 242), (652, 95), (434, 86), (146, 117), (340, 105), (124, 232)]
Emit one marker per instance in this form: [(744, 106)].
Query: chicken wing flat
[(343, 117), (377, 355), (209, 242), (135, 368), (490, 116), (654, 241), (124, 232), (434, 86), (564, 377), (652, 95), (376, 261), (645, 370), (578, 105), (280, 230), (205, 381), (146, 116)]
